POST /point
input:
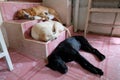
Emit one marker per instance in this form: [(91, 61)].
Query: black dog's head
[(57, 65)]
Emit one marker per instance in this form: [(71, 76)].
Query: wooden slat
[(105, 10)]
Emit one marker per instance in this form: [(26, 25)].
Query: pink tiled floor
[(28, 68)]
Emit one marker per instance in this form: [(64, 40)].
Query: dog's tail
[(68, 32)]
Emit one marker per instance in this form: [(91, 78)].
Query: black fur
[(68, 50)]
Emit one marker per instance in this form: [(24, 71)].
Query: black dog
[(68, 50)]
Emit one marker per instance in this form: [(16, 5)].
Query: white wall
[(63, 7)]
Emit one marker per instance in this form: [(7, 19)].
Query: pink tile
[(71, 77), (34, 70), (115, 40), (23, 66), (78, 73), (3, 66), (113, 68), (46, 74), (114, 50), (7, 75), (15, 56)]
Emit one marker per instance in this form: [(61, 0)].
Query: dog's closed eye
[(46, 13)]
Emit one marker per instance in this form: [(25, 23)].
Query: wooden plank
[(113, 10)]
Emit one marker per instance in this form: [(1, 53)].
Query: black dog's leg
[(88, 66), (84, 63), (85, 45)]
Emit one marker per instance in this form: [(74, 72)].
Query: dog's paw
[(99, 55), (96, 71), (102, 57), (100, 72)]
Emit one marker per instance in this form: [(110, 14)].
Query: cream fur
[(48, 30)]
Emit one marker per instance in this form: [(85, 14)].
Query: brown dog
[(40, 11)]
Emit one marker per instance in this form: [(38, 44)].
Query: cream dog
[(48, 30), (37, 11)]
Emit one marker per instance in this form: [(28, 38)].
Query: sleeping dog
[(37, 12), (68, 50), (48, 30)]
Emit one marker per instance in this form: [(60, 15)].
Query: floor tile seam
[(105, 69), (28, 57), (74, 76), (30, 70), (34, 72)]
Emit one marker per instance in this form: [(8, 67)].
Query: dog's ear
[(51, 66)]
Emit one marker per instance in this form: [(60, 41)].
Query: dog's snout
[(64, 71)]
